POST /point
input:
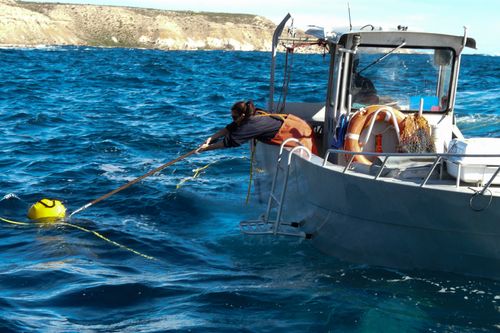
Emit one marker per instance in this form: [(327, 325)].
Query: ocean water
[(80, 122)]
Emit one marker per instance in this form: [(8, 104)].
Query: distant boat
[(435, 206)]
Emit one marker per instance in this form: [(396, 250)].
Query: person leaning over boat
[(252, 123)]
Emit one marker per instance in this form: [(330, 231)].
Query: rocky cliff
[(29, 23)]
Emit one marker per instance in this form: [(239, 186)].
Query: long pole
[(132, 182)]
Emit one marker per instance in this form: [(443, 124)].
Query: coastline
[(30, 24)]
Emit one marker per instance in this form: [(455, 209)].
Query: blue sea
[(77, 123)]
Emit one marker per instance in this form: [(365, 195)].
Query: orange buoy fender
[(361, 120)]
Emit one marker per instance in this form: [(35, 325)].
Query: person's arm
[(222, 132), (207, 146), (217, 145)]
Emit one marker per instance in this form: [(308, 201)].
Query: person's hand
[(204, 145), (201, 148)]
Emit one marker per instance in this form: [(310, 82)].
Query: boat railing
[(435, 158)]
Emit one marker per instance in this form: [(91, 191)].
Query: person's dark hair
[(245, 109)]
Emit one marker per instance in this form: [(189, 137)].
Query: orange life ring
[(361, 120)]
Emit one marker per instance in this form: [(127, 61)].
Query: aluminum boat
[(362, 199)]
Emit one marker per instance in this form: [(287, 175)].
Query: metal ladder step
[(274, 198), (260, 227)]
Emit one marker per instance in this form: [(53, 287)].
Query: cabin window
[(404, 78)]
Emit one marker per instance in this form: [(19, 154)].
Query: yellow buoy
[(47, 210)]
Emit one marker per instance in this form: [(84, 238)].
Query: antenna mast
[(349, 11)]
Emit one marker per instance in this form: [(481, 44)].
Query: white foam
[(487, 119), (10, 196), (111, 168)]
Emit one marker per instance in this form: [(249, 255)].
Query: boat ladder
[(270, 222)]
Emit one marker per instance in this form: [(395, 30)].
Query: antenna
[(349, 11)]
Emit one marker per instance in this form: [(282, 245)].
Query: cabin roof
[(412, 39)]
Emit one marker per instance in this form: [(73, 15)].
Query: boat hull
[(388, 223)]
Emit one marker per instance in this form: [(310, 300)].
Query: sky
[(481, 17)]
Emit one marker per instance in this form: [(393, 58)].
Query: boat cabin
[(408, 71)]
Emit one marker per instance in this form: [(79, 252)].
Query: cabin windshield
[(403, 78)]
